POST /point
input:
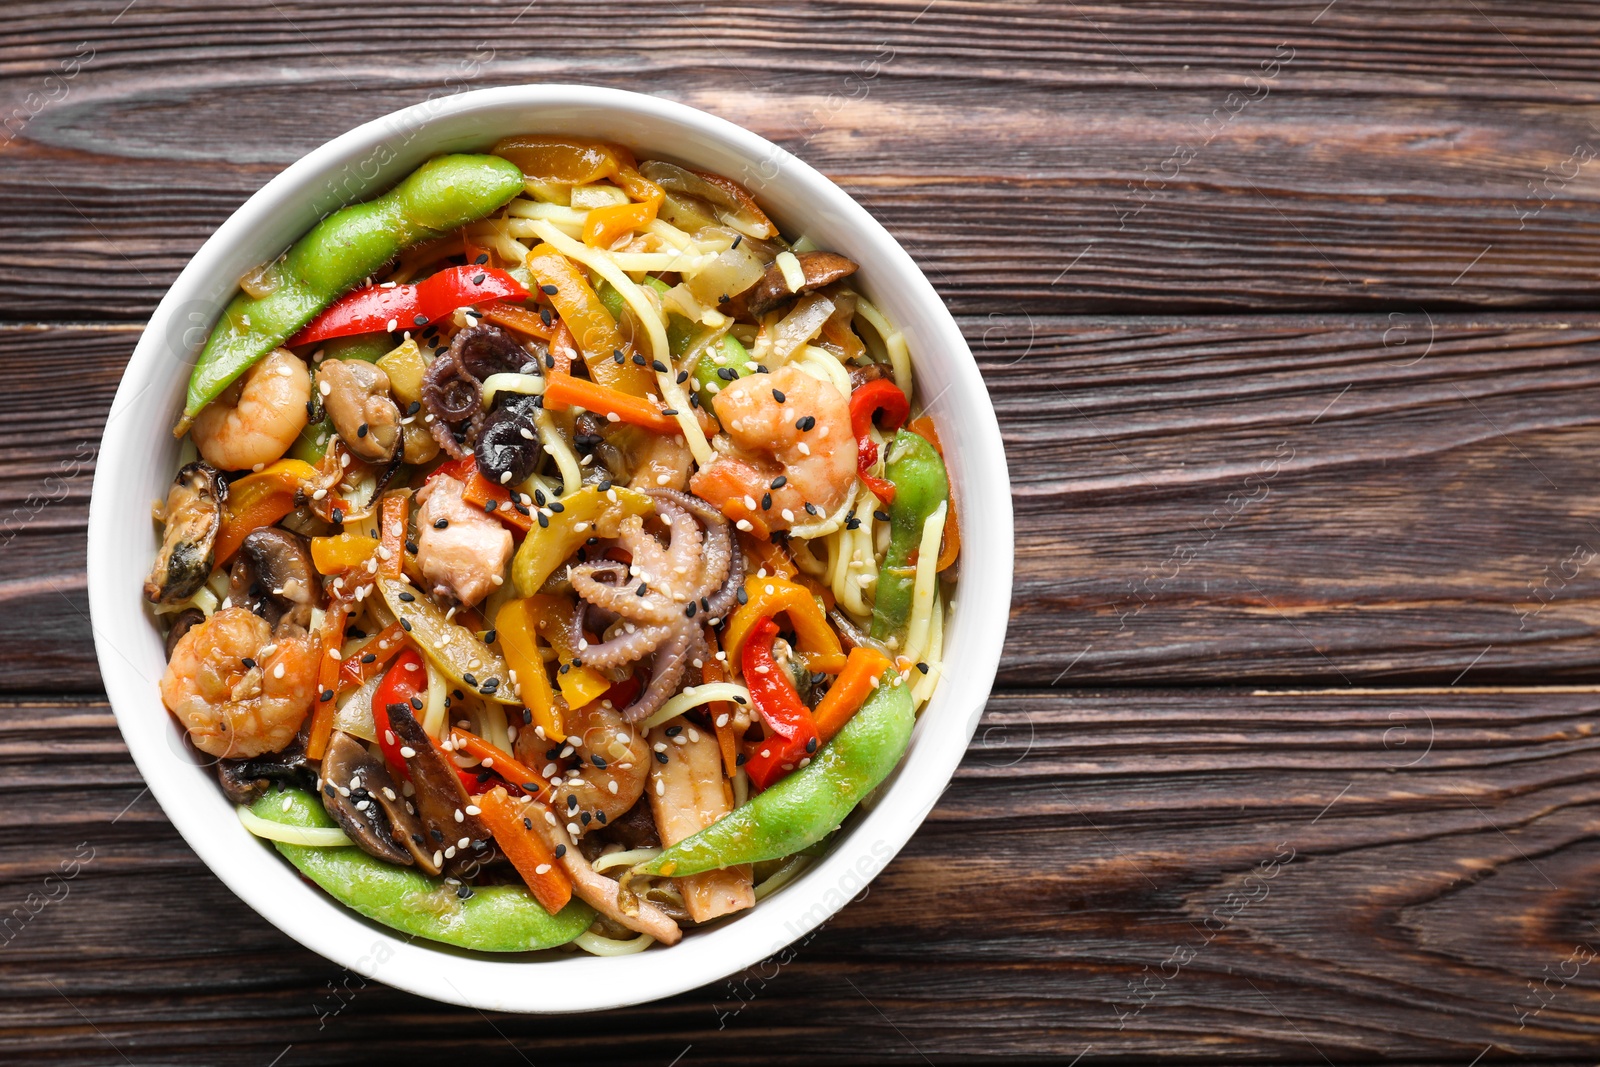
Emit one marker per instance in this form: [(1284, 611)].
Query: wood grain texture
[(1221, 874), (1034, 159), (1216, 500)]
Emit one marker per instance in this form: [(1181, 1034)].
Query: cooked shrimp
[(663, 463), (239, 688), (462, 552), (613, 760), (785, 453), (258, 418)]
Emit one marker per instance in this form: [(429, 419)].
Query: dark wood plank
[(1224, 874), (1198, 500), (1047, 159)]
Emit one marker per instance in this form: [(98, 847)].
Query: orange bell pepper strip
[(849, 691), (341, 553), (526, 850), (563, 160), (259, 500), (578, 684), (328, 665), (592, 326), (603, 225), (765, 597), (516, 629), (950, 547), (563, 390), (498, 760), (357, 669), (771, 556)]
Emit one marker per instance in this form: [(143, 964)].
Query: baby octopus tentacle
[(722, 564), (625, 601), (684, 643)]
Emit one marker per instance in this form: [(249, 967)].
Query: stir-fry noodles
[(556, 558)]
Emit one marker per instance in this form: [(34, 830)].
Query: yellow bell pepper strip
[(393, 513), (591, 324), (455, 650), (950, 547), (579, 684), (337, 254), (405, 367), (328, 664), (849, 691), (341, 553), (586, 513), (258, 500), (527, 851), (766, 597), (517, 635), (562, 390)]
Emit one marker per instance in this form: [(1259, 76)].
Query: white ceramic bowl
[(138, 458)]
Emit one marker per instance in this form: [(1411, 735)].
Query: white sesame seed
[(543, 868), (407, 752)]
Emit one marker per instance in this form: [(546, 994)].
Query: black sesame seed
[(545, 316), (490, 505), (561, 850), (736, 239), (329, 790), (527, 823), (311, 409), (522, 509), (742, 596), (674, 731), (416, 703), (419, 320), (616, 354), (811, 745), (688, 612), (407, 597), (683, 376), (544, 522), (437, 835), (600, 817), (489, 637), (669, 412), (598, 761), (727, 374), (572, 802), (470, 680), (557, 507), (527, 717), (338, 515), (811, 509), (549, 362), (458, 694), (638, 360), (327, 695), (549, 290), (777, 394), (483, 257), (441, 524), (642, 590), (411, 547), (766, 501), (761, 368), (477, 279), (806, 423), (414, 407), (249, 664), (661, 757), (923, 667), (780, 481), (740, 761), (658, 366), (490, 686), (404, 625), (881, 515), (369, 658), (417, 840)]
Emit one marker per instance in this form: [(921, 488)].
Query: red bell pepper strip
[(791, 731), (356, 671), (376, 309), (407, 679), (880, 395)]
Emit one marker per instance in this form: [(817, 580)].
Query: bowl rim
[(586, 983)]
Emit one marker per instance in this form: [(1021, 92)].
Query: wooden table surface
[(1292, 318)]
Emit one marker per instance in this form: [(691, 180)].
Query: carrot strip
[(501, 762), (563, 348), (518, 318), (480, 490), (382, 648), (562, 390), (392, 545), (327, 680), (526, 850), (721, 711), (849, 691)]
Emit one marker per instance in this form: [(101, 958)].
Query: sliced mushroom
[(361, 795), (508, 446), (819, 269), (188, 546), (274, 577), (182, 622), (458, 842), (358, 402), (244, 781)]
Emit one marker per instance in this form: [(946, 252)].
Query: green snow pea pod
[(809, 803), (721, 363), (920, 486), (340, 251), (495, 918)]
